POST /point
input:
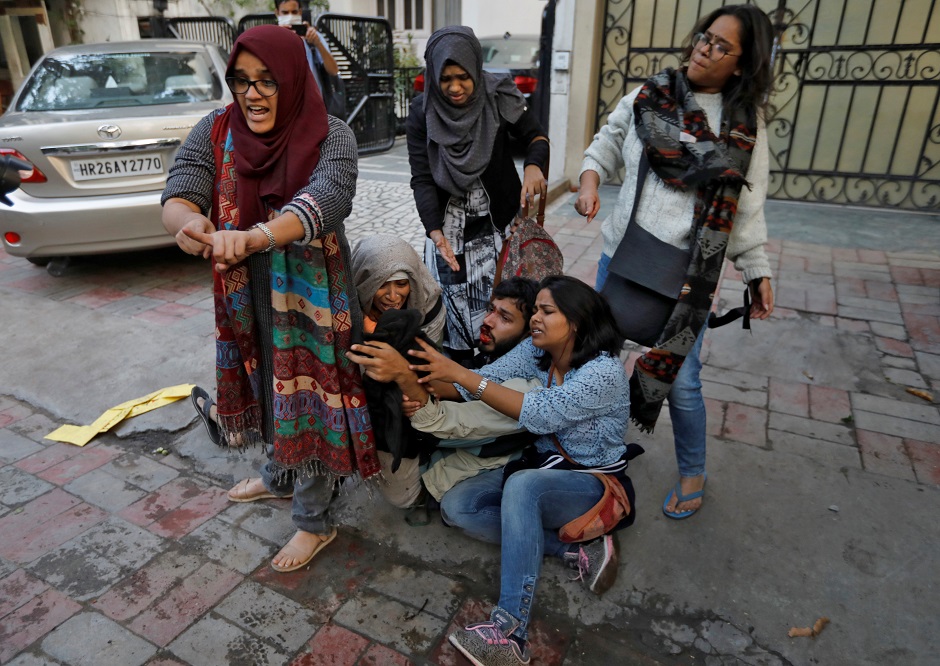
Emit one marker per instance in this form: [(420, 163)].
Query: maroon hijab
[(272, 167)]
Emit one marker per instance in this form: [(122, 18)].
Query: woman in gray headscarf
[(389, 275), (465, 184)]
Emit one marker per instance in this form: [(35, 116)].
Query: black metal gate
[(362, 47), (855, 113)]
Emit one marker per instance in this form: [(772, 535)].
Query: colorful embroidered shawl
[(320, 421), (664, 111)]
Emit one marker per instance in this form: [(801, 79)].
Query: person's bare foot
[(302, 547), (213, 412), (250, 490), (688, 485)]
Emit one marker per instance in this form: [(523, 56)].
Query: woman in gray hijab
[(465, 184)]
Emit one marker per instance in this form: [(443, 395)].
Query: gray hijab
[(461, 138), (375, 259)]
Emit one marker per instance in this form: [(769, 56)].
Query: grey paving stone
[(6, 568), (88, 565), (830, 432), (742, 380), (899, 362), (899, 427), (891, 468), (868, 314), (27, 659), (90, 639), (105, 490), (725, 638), (264, 612), (35, 427), (905, 378), (140, 470), (14, 447), (432, 592), (729, 393), (235, 548), (214, 642), (886, 330), (390, 622), (823, 452), (870, 304), (916, 409), (269, 519), (917, 295), (929, 365), (132, 305), (18, 487)]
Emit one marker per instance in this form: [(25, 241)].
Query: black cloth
[(393, 432), (500, 178)]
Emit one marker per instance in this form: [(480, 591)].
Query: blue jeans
[(312, 496), (523, 516), (686, 404)]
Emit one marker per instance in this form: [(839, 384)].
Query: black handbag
[(644, 277)]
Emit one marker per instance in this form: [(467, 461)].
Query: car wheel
[(38, 261)]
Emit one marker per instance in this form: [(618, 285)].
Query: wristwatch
[(267, 232)]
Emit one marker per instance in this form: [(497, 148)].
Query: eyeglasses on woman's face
[(240, 85), (717, 50)]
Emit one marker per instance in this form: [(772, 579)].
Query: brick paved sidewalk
[(113, 554)]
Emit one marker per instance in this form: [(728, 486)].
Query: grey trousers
[(310, 507)]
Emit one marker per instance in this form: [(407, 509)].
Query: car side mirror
[(10, 168)]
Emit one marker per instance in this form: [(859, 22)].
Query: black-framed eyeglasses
[(240, 85), (717, 50)]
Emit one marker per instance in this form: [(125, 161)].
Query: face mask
[(289, 19)]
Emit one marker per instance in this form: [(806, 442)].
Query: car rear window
[(512, 53), (94, 81)]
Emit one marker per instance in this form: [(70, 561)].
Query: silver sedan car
[(101, 124)]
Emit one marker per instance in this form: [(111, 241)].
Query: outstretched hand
[(533, 183), (444, 249), (381, 361), (438, 367)]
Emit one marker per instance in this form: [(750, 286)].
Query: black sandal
[(212, 428)]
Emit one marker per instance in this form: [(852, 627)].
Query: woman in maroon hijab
[(262, 188)]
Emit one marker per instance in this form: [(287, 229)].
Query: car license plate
[(117, 167)]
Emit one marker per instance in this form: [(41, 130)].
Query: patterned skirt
[(476, 242)]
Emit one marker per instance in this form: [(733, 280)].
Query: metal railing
[(404, 93), (216, 29)]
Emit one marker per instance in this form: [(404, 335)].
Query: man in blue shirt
[(321, 61)]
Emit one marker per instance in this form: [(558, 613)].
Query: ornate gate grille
[(855, 113)]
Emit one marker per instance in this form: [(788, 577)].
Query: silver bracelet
[(480, 389), (267, 232)]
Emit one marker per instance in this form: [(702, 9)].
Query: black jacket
[(500, 178)]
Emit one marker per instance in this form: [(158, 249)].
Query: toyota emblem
[(109, 131)]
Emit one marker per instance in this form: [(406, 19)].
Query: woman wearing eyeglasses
[(700, 132), (261, 188)]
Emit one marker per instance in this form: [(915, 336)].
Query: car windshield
[(95, 81), (513, 53)]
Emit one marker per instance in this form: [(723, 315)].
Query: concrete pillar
[(575, 62), (18, 66)]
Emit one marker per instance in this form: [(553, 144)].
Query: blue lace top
[(588, 411)]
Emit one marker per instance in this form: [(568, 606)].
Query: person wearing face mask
[(264, 194), (321, 61), (465, 184)]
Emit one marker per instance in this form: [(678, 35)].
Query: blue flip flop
[(679, 515), (212, 428)]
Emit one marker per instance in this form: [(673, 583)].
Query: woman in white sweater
[(700, 132)]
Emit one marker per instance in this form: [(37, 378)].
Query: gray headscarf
[(376, 259), (460, 138)]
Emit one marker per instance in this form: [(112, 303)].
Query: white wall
[(116, 20), (489, 18)]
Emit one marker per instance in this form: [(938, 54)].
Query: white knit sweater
[(666, 212)]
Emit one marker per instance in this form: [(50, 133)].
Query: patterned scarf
[(320, 421), (684, 153)]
